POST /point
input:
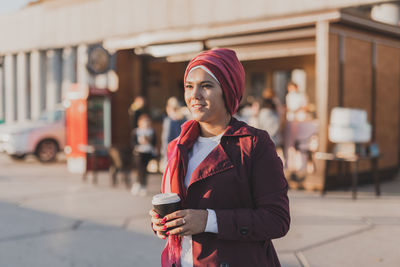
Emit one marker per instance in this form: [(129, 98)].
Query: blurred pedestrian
[(269, 94), (265, 117), (296, 103), (137, 108), (144, 141), (245, 110), (171, 126)]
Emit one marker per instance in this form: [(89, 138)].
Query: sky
[(7, 6)]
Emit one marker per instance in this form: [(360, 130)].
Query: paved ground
[(50, 218)]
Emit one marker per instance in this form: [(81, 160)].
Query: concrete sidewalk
[(50, 218), (336, 231)]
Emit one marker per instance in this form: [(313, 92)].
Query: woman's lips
[(197, 106)]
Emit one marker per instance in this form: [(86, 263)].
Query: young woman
[(228, 175)]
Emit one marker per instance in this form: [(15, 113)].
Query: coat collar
[(218, 161), (237, 128)]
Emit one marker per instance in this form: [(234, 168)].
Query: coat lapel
[(217, 161)]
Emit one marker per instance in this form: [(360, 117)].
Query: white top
[(295, 101), (201, 149)]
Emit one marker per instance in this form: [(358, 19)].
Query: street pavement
[(51, 218)]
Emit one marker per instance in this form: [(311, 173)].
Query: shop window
[(280, 80), (258, 82)]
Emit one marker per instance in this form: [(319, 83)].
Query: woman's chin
[(198, 119), (197, 116)]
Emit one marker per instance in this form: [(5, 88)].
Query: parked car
[(44, 137)]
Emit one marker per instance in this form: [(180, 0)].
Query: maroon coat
[(242, 180)]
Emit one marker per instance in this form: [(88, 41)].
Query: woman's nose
[(197, 91)]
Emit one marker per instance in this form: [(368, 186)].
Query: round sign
[(98, 60)]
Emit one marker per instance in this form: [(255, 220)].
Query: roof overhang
[(210, 32), (270, 38), (369, 24)]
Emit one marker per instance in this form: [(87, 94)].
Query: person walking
[(144, 141), (228, 175)]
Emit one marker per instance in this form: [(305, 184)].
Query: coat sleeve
[(270, 217)]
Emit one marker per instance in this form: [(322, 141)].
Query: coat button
[(244, 231), (224, 264)]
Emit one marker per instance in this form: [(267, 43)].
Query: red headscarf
[(226, 67), (228, 70)]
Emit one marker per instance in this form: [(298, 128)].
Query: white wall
[(67, 23)]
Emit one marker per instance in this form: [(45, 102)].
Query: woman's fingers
[(182, 222), (155, 218), (154, 214), (158, 224), (159, 227), (177, 231), (175, 223), (157, 221), (161, 235), (188, 222), (175, 215)]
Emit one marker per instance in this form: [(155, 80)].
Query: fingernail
[(164, 228), (157, 216), (167, 233), (163, 237), (163, 220)]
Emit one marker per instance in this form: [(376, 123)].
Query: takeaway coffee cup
[(166, 203)]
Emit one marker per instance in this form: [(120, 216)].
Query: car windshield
[(52, 116)]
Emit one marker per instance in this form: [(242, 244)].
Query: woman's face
[(204, 98)]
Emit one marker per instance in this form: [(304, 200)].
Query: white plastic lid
[(165, 198)]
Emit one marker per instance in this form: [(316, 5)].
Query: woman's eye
[(207, 85), (188, 86)]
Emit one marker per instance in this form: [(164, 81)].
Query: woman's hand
[(186, 222), (158, 224)]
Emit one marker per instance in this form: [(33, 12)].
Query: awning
[(170, 49), (262, 51), (200, 33)]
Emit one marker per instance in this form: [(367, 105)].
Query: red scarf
[(177, 169)]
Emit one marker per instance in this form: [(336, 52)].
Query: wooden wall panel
[(333, 93), (387, 111), (166, 80), (357, 74), (358, 86), (357, 79), (128, 69), (333, 83)]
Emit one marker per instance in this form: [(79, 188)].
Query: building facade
[(342, 55)]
